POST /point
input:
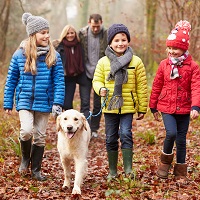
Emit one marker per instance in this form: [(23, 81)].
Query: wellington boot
[(36, 162), (166, 160), (127, 161), (26, 156), (112, 161)]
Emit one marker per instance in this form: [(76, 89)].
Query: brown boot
[(163, 169), (180, 171)]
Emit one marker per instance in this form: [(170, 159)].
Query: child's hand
[(194, 114), (157, 116), (103, 92), (140, 116), (9, 112), (56, 110)]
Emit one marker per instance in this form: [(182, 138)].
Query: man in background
[(93, 38)]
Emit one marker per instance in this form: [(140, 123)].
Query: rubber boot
[(180, 171), (166, 160), (26, 156), (36, 162), (127, 161), (112, 161)]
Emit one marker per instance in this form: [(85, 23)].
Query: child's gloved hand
[(56, 110)]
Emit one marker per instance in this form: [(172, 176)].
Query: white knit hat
[(34, 24)]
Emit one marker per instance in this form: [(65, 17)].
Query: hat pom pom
[(25, 17), (183, 25)]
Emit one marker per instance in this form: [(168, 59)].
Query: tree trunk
[(84, 5), (151, 8), (4, 19)]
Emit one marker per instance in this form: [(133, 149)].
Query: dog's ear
[(84, 122), (58, 127)]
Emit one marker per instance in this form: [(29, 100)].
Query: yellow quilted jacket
[(134, 92)]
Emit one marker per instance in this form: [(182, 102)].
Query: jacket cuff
[(142, 113), (195, 108), (153, 110)]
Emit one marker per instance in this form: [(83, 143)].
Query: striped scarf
[(174, 62)]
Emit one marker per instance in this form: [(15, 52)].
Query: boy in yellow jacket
[(121, 76)]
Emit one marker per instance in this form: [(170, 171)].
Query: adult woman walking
[(69, 47)]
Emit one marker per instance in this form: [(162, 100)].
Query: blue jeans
[(176, 127), (85, 93), (112, 124)]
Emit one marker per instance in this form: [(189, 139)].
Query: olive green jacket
[(83, 36)]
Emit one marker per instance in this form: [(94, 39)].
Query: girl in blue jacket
[(36, 78)]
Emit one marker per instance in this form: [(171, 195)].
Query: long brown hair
[(31, 55)]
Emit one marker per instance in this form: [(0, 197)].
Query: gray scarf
[(42, 50), (118, 73)]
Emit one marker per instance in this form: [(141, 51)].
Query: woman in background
[(69, 47)]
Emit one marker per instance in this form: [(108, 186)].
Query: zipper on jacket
[(33, 90)]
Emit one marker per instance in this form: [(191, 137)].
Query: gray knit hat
[(115, 29), (33, 23)]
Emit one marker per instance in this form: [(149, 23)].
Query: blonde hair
[(31, 55), (65, 30)]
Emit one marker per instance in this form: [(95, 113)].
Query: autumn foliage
[(148, 138)]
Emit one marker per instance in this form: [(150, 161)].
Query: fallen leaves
[(145, 162)]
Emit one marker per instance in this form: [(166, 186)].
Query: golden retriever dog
[(73, 139)]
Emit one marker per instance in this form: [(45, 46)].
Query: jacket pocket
[(164, 99), (134, 101), (162, 95)]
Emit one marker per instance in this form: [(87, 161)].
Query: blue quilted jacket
[(34, 92)]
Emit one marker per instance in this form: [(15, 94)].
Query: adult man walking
[(93, 38)]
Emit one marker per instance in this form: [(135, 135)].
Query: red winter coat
[(180, 94)]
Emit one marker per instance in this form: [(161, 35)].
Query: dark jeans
[(112, 124), (70, 87), (176, 130), (85, 93)]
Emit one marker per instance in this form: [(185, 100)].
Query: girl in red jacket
[(176, 94)]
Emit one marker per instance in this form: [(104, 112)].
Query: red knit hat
[(179, 36)]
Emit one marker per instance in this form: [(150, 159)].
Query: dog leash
[(105, 99)]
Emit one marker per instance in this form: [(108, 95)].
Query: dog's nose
[(69, 128)]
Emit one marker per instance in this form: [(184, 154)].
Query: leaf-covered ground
[(148, 137)]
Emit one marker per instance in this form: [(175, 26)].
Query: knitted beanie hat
[(33, 23), (179, 36), (115, 29)]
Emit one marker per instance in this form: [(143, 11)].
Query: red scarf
[(74, 62)]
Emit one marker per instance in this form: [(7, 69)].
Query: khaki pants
[(33, 124)]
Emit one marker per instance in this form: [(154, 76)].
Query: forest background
[(149, 23)]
